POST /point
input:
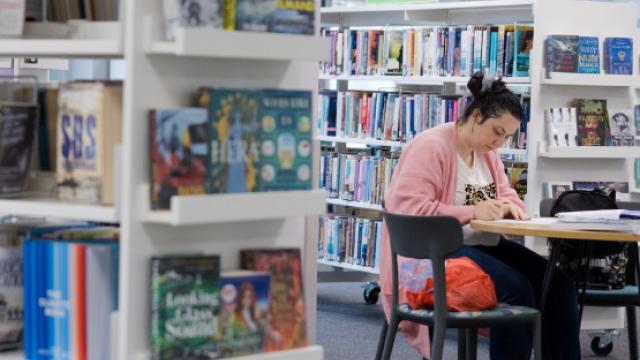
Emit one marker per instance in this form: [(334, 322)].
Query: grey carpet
[(348, 329)]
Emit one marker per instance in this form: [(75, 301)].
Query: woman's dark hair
[(492, 101)]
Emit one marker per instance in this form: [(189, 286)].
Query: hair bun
[(498, 86), (475, 84)]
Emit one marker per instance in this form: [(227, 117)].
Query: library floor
[(348, 329)]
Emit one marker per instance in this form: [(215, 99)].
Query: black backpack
[(608, 260)]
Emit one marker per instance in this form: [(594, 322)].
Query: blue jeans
[(517, 274)]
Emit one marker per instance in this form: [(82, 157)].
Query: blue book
[(378, 241), (619, 55), (27, 291), (588, 55), (636, 116), (493, 54)]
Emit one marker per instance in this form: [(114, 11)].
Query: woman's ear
[(476, 115)]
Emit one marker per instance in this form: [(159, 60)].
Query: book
[(556, 188), (524, 44), (588, 55), (593, 123), (17, 136), (636, 117), (622, 125), (562, 53), (185, 306), (294, 17), (253, 15), (12, 16), (287, 309), (284, 140), (233, 129), (11, 297), (89, 127), (618, 55), (179, 152), (191, 13), (244, 316)]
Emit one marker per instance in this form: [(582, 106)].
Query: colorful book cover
[(285, 140), (593, 122), (293, 17), (251, 15), (179, 153), (562, 53), (17, 134), (89, 126), (619, 55), (524, 44), (622, 125), (394, 51), (201, 13), (233, 131), (185, 306), (244, 316), (588, 55), (636, 115), (287, 307), (11, 297), (585, 185)]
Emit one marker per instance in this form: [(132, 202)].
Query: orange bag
[(469, 288)]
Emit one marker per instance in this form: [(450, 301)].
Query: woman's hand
[(514, 212), (488, 210)]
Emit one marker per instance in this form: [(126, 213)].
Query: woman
[(454, 170)]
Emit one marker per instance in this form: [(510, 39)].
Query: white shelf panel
[(371, 142), (217, 208), (63, 48), (574, 79), (454, 5), (216, 43), (416, 80), (313, 352), (592, 152), (354, 204), (12, 355), (349, 266), (514, 152), (59, 209)]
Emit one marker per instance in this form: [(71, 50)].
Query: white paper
[(535, 221), (11, 18)]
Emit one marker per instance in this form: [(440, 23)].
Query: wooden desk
[(528, 229)]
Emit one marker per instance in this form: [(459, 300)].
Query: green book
[(185, 307)]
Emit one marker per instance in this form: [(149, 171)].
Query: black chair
[(628, 297), (435, 237)]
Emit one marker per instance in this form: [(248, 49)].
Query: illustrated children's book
[(179, 153), (287, 310), (244, 317), (185, 306), (622, 125), (17, 134), (89, 127), (285, 140)]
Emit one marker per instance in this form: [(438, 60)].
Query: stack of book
[(605, 220)]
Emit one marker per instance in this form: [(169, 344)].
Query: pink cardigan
[(424, 184)]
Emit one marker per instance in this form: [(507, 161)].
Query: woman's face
[(247, 299), (493, 132)]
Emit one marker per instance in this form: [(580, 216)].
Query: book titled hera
[(259, 140), (179, 153), (287, 310), (185, 307)]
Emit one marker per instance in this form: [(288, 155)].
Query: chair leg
[(389, 339), (437, 345), (462, 344), (633, 332), (472, 344), (383, 335), (537, 338)]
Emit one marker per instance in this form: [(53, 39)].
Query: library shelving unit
[(558, 89), (159, 74)]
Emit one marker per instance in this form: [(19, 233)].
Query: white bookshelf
[(415, 80), (313, 352), (347, 266), (591, 152), (573, 79), (364, 141), (12, 355), (430, 6), (354, 204), (218, 43), (223, 208), (53, 208), (61, 48)]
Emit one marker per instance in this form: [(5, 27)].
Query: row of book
[(581, 54), (553, 189), (501, 50), (70, 290), (197, 311), (291, 16), (235, 140), (351, 240), (358, 177), (384, 115), (589, 122)]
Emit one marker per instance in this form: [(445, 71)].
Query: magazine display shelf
[(547, 17), (209, 224), (416, 80), (354, 204)]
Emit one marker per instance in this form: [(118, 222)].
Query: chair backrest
[(424, 237)]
